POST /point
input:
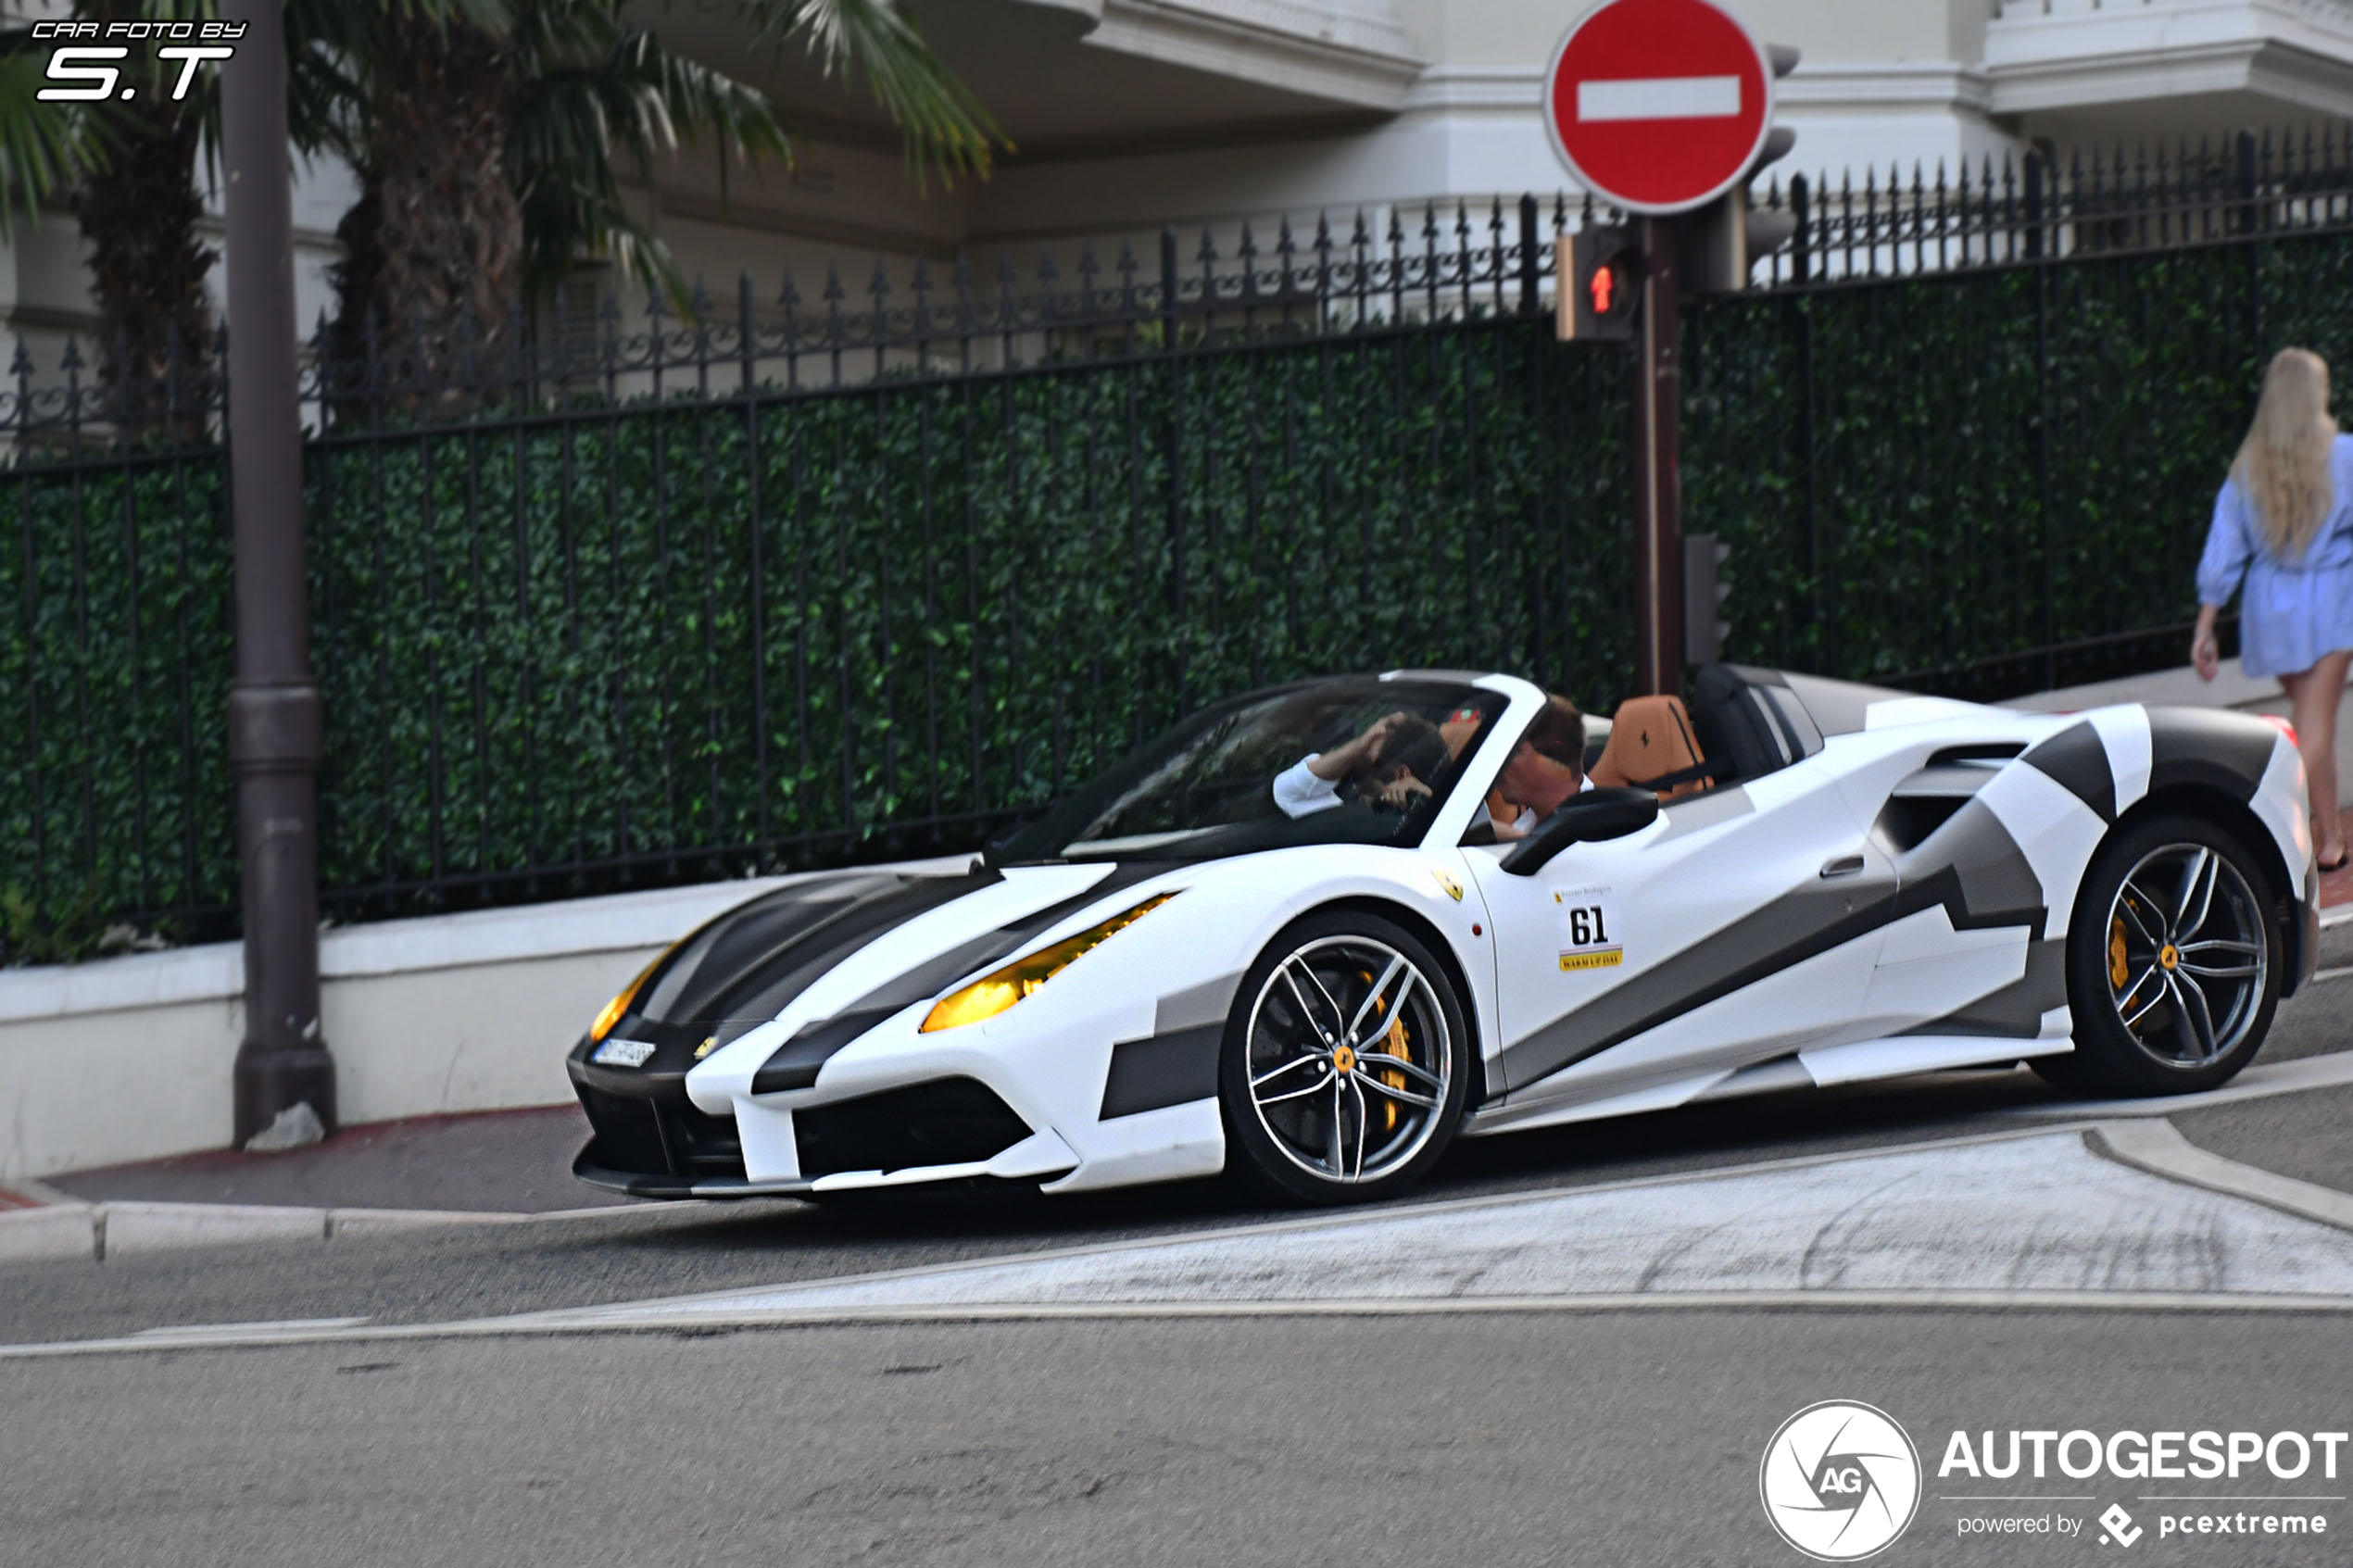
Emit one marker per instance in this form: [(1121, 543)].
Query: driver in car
[(1389, 764), (1546, 768)]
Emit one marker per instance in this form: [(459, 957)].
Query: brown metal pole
[(1658, 496), (273, 705)]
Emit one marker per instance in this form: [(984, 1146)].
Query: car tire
[(2173, 962), (1322, 1101)]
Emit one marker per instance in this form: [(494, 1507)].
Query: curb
[(124, 1229)]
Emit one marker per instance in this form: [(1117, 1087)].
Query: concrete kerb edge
[(73, 1230)]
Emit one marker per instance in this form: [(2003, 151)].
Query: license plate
[(623, 1053)]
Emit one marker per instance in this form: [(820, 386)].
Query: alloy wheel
[(1348, 1058), (2186, 956)]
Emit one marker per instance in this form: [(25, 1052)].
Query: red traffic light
[(1607, 286), (1601, 291)]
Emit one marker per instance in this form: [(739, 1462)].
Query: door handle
[(1846, 865)]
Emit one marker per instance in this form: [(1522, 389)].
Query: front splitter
[(638, 1184)]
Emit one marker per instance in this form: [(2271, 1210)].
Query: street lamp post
[(273, 704)]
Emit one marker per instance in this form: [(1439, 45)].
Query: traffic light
[(1600, 285), (1705, 592), (1723, 240)]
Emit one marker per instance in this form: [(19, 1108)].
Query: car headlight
[(616, 1008), (992, 994)]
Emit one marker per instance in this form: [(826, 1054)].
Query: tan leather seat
[(1650, 738)]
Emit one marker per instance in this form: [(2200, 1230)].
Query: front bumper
[(650, 1140)]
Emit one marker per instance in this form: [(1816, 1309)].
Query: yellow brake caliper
[(2119, 972), (1390, 1075), (1395, 1039)]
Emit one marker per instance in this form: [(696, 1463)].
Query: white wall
[(129, 1059)]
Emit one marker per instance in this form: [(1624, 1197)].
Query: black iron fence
[(788, 578)]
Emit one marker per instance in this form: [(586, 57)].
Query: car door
[(1740, 925)]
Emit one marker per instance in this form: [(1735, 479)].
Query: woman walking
[(2284, 523)]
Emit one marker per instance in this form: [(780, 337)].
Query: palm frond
[(592, 92), (45, 148), (945, 130)]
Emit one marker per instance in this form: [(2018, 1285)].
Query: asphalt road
[(1502, 1437), (1618, 1439)]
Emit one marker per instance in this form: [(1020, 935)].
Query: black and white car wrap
[(1883, 885)]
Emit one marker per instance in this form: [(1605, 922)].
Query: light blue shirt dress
[(2295, 612)]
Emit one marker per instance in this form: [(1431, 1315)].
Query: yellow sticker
[(1454, 889), (709, 1044), (1608, 958)]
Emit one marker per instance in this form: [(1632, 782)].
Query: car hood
[(858, 945)]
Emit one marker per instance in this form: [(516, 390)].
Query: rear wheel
[(1346, 1062), (2172, 962)]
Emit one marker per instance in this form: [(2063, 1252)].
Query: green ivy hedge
[(610, 643), (634, 642)]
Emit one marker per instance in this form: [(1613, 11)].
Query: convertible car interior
[(1741, 723)]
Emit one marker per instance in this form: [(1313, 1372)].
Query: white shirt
[(1301, 794)]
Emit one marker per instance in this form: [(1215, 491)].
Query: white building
[(1130, 113)]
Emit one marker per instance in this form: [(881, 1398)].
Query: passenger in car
[(1390, 764)]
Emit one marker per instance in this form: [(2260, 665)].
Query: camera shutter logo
[(1840, 1480)]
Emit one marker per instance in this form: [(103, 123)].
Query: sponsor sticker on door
[(1589, 928)]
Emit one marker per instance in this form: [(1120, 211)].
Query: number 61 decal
[(1589, 928)]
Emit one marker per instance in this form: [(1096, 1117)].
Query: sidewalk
[(490, 1161)]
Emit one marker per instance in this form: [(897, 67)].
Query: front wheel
[(2172, 962), (1346, 1062)]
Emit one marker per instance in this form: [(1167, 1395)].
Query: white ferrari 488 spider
[(1319, 932)]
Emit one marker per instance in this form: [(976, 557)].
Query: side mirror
[(1591, 818)]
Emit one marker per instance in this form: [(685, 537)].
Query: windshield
[(1351, 759)]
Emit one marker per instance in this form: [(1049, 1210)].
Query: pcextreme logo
[(1841, 1481)]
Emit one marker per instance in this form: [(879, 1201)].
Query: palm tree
[(128, 169), (139, 211), (490, 155), (43, 147)]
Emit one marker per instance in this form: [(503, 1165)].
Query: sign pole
[(274, 703), (1658, 492)]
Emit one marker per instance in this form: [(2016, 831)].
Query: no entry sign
[(1658, 105)]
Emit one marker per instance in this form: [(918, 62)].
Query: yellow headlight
[(619, 1004), (992, 994)]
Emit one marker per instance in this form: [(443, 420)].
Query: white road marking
[(2039, 1214), (2159, 1147), (2033, 1219), (2327, 1071), (1659, 97), (274, 1329)]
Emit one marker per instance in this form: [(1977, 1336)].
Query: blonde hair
[(2282, 466)]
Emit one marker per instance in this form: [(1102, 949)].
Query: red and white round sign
[(1658, 105)]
